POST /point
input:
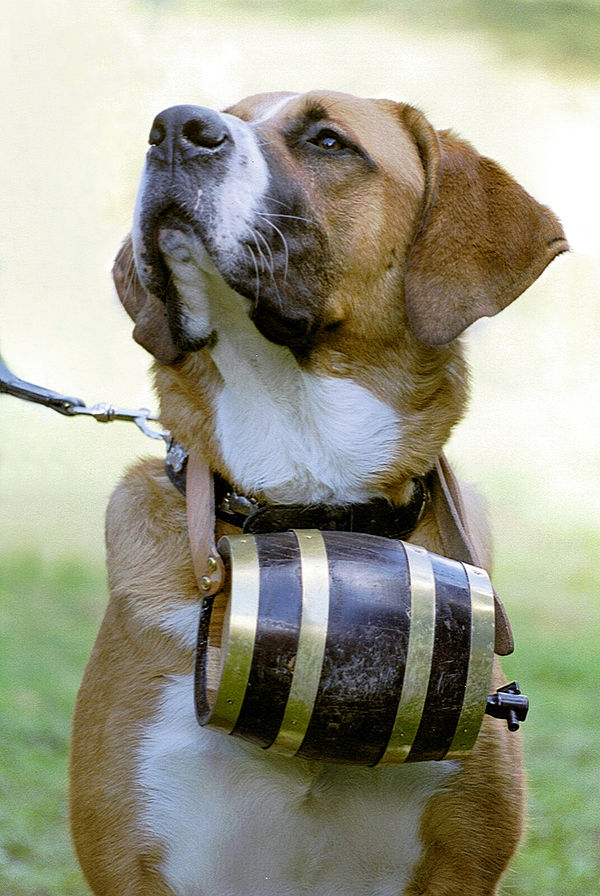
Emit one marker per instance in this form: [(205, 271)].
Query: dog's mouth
[(272, 275)]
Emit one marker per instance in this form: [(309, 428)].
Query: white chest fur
[(297, 436), (236, 821)]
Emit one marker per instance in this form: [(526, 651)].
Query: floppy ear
[(147, 311), (483, 239)]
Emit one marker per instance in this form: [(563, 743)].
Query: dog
[(301, 267)]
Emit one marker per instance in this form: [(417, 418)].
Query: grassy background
[(83, 81)]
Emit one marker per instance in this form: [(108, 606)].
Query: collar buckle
[(233, 504)]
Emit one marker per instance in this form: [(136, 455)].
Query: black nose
[(187, 131)]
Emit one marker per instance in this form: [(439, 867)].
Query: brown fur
[(437, 239)]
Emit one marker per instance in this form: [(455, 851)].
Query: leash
[(103, 412)]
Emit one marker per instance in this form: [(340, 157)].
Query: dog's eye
[(328, 140)]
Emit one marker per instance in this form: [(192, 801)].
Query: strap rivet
[(205, 583), (212, 564)]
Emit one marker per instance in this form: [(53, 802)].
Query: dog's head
[(334, 219)]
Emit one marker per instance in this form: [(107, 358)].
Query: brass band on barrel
[(418, 659), (239, 632), (237, 642), (481, 657), (311, 642)]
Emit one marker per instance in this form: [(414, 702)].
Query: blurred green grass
[(519, 78), (48, 613), (556, 621)]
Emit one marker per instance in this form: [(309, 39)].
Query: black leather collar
[(376, 517)]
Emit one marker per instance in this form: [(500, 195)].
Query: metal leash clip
[(106, 413), (103, 412)]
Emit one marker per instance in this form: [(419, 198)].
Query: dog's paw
[(191, 270)]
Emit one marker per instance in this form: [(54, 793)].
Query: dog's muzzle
[(210, 176)]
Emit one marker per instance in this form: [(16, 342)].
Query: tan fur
[(423, 229)]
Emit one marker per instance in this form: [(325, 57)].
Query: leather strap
[(446, 503), (208, 566), (457, 542)]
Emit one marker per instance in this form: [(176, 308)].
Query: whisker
[(130, 278), (271, 266), (277, 201), (285, 246), (263, 260), (291, 217), (256, 272)]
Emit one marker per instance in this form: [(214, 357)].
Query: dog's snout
[(188, 131)]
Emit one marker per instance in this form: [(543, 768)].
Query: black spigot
[(510, 704)]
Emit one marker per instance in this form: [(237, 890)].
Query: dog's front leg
[(471, 828), (192, 270)]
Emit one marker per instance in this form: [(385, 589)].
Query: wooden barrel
[(345, 647)]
